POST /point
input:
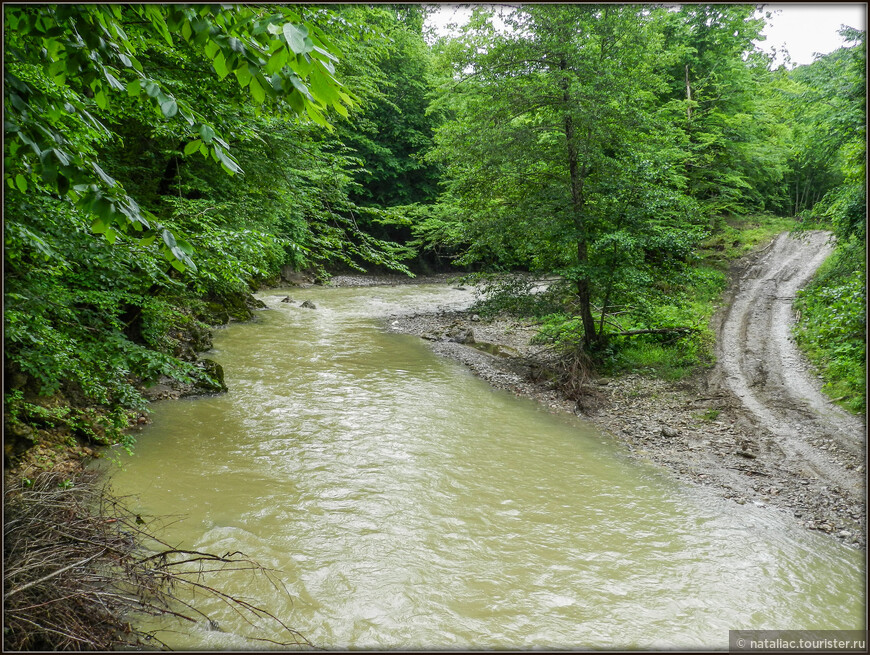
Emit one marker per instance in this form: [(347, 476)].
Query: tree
[(735, 160), (65, 61), (559, 155), (392, 131), (116, 121), (835, 113)]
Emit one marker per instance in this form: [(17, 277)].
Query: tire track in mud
[(758, 362)]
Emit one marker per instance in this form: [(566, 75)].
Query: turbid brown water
[(408, 504)]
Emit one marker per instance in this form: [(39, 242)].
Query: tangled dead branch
[(573, 370), (77, 571)]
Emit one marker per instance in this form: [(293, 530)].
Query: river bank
[(696, 428)]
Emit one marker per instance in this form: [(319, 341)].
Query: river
[(408, 504)]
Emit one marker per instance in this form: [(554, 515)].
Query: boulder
[(308, 305), (461, 335), (215, 372)]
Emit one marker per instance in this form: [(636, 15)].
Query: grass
[(734, 237), (676, 359), (654, 359), (831, 328)]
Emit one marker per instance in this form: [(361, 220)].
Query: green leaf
[(103, 208), (296, 102), (324, 54), (99, 226), (21, 183), (168, 238), (169, 108), (300, 86), (295, 36), (322, 90), (277, 61), (226, 161), (243, 74), (101, 99), (206, 132), (317, 117), (220, 66), (184, 246), (103, 176), (62, 185), (192, 147), (257, 91), (133, 89), (57, 67), (61, 156), (113, 82)]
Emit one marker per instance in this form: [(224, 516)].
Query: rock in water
[(308, 305), (287, 299), (216, 372)]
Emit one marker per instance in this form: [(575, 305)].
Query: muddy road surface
[(758, 362)]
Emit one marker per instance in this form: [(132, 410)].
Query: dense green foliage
[(833, 328), (833, 323), (196, 140), (162, 161)]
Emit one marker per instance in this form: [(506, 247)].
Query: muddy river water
[(408, 504)]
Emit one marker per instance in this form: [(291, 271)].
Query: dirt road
[(758, 361)]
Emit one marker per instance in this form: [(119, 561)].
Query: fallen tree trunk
[(631, 333)]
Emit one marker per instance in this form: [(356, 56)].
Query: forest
[(163, 162)]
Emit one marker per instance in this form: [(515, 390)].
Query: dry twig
[(77, 572)]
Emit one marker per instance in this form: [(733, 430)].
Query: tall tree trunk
[(797, 190), (577, 176), (805, 196), (688, 95)]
